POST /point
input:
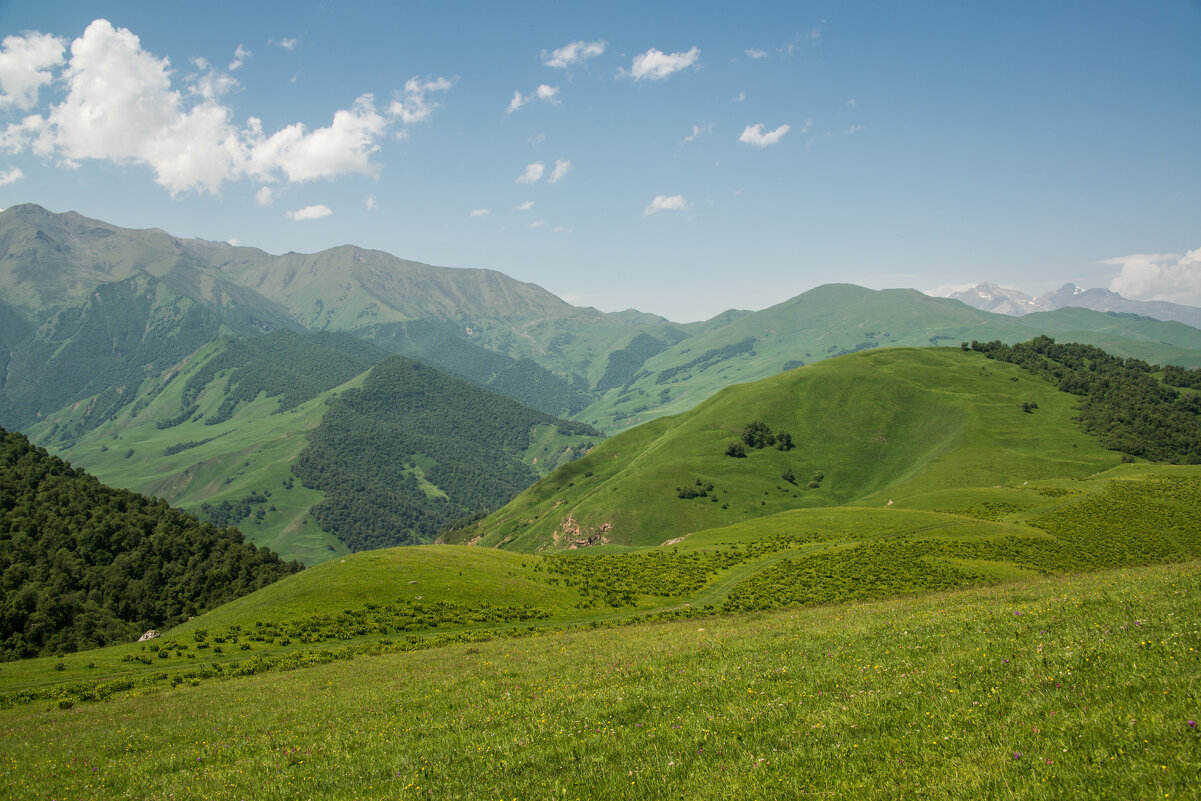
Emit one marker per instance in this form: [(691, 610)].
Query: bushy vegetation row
[(365, 453), (1123, 404), (865, 571), (618, 580), (708, 359), (348, 624), (293, 367), (84, 565)]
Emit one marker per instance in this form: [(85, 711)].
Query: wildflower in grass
[(1192, 724), (1017, 754)]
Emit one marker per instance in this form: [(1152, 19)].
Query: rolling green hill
[(666, 373), (880, 424)]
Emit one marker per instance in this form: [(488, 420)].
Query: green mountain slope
[(84, 565), (218, 435), (836, 319), (881, 423), (412, 450)]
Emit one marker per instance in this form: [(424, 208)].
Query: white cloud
[(529, 204), (532, 173), (854, 129), (753, 135), (808, 125), (25, 63), (655, 65), (755, 53), (1159, 276), (286, 44), (344, 147), (122, 106), (240, 56), (852, 103), (370, 203), (536, 224), (11, 176), (264, 197), (698, 130), (738, 98), (545, 93), (559, 229), (479, 213), (310, 213), (562, 167), (571, 54), (666, 203), (412, 106)]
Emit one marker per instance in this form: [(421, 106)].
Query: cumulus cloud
[(755, 53), (529, 204), (571, 54), (286, 44), (479, 213), (264, 197), (25, 63), (11, 176), (412, 106), (532, 173), (121, 105), (240, 56), (655, 65), (1159, 276), (666, 203), (537, 224), (310, 213), (754, 136), (545, 93), (562, 167), (370, 203)]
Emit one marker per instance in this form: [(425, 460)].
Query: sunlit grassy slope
[(1075, 687), (879, 426)]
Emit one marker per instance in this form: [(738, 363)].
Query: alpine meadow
[(812, 407)]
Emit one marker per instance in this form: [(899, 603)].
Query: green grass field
[(1071, 687)]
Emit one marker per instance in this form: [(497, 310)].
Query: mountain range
[(201, 371), (993, 298)]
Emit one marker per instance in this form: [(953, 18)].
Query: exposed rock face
[(149, 635)]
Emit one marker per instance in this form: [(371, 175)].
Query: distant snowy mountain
[(1014, 302), (993, 298)]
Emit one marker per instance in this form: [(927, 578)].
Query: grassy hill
[(878, 425), (1026, 684), (676, 372)]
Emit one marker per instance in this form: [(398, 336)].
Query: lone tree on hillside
[(758, 435)]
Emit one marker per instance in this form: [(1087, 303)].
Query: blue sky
[(694, 156)]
